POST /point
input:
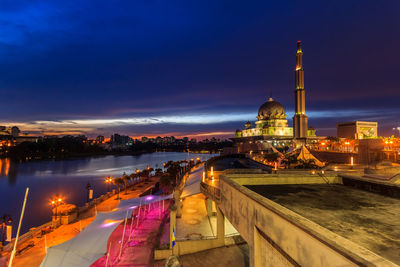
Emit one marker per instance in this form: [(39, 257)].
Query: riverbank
[(36, 246), (68, 179), (98, 154)]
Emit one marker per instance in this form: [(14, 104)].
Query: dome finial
[(270, 96)]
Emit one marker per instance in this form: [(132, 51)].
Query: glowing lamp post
[(54, 205), (212, 171), (5, 219), (108, 182), (204, 176), (351, 161), (89, 192)]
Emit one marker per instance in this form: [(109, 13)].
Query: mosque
[(271, 127)]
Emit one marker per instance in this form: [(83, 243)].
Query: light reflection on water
[(67, 178)]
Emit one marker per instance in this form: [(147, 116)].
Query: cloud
[(193, 123)]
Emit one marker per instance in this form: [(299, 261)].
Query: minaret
[(300, 118)]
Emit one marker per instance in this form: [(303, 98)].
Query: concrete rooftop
[(368, 219)]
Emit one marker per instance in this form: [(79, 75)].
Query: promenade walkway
[(35, 255), (139, 239), (195, 223), (91, 243)]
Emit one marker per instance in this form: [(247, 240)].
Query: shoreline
[(88, 155)]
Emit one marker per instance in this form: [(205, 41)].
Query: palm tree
[(150, 171), (145, 173), (118, 182), (126, 180), (133, 176), (291, 159), (158, 172)]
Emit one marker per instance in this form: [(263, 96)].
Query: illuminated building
[(357, 130), (271, 122), (271, 127), (300, 118)]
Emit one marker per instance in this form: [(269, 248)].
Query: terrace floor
[(368, 219)]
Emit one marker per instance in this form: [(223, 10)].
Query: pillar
[(172, 226), (220, 227), (209, 207), (178, 204)]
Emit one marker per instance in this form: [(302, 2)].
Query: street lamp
[(88, 188), (57, 201), (5, 219), (108, 182)]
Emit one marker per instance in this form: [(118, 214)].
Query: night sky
[(194, 68)]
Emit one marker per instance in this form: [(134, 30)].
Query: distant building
[(120, 141), (271, 127), (357, 130), (11, 131), (100, 139)]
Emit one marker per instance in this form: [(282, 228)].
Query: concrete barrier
[(279, 237)]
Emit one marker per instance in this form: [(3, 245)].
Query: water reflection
[(4, 166), (8, 169), (67, 178)]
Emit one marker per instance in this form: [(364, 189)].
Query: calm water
[(68, 178)]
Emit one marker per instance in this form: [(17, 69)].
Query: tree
[(133, 176), (158, 172), (126, 180), (271, 157), (166, 183), (118, 182), (291, 159)]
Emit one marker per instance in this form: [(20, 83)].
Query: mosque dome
[(271, 110)]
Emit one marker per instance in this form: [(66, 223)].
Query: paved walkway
[(192, 185), (194, 223), (232, 256), (35, 255), (138, 241)]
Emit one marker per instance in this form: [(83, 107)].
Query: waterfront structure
[(357, 130), (271, 127)]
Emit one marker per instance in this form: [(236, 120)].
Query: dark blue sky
[(194, 67)]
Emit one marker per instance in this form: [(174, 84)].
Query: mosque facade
[(272, 125)]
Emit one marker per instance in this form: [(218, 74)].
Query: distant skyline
[(194, 68)]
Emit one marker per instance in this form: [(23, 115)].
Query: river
[(68, 178)]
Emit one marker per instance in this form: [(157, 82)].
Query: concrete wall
[(193, 246), (263, 179), (279, 237)]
